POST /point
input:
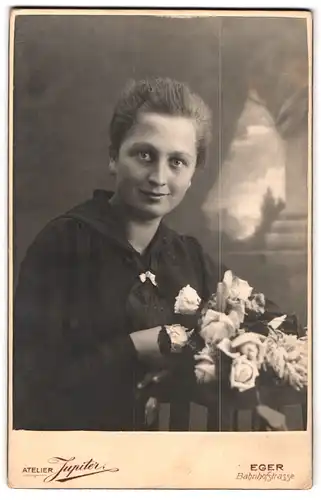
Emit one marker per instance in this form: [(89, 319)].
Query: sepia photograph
[(160, 228)]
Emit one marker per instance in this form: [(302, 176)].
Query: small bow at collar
[(148, 275)]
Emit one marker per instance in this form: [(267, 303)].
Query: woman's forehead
[(172, 133)]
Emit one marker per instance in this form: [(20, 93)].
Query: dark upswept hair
[(164, 96)]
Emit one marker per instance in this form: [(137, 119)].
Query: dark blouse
[(79, 296)]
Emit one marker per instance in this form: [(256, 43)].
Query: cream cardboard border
[(163, 459)]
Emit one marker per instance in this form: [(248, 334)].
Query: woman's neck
[(139, 232)]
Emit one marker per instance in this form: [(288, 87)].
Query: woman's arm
[(50, 351)]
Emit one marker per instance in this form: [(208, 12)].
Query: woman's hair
[(164, 96)]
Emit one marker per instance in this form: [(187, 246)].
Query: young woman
[(99, 282)]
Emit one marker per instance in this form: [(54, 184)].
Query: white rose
[(287, 355), (214, 326), (238, 288), (179, 337), (256, 303), (243, 374), (187, 301), (204, 369)]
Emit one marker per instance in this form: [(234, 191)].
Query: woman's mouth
[(153, 195)]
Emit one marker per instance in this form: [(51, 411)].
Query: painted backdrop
[(249, 207)]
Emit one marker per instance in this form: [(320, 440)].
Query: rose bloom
[(237, 288), (243, 374), (205, 370), (256, 303), (178, 335), (214, 326), (187, 301), (236, 312)]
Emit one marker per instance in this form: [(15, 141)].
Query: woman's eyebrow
[(142, 145), (183, 154)]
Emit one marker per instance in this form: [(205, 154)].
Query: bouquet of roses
[(225, 325)]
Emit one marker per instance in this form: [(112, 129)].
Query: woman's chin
[(152, 210), (152, 213)]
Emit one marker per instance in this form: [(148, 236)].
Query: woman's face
[(155, 164)]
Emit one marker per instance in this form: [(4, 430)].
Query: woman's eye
[(177, 163), (144, 156)]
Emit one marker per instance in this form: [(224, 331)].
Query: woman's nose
[(158, 174)]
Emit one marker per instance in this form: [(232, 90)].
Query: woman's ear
[(112, 160), (112, 166)]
